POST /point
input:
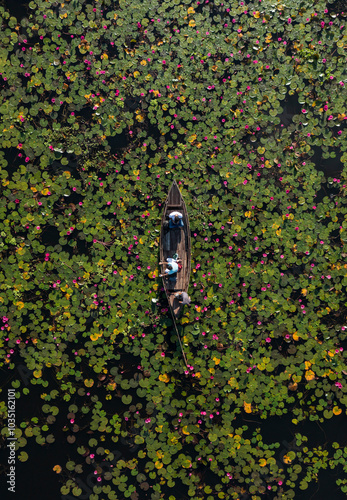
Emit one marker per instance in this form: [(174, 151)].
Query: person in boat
[(182, 297), (175, 220), (173, 266)]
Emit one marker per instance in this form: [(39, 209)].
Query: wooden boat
[(175, 241)]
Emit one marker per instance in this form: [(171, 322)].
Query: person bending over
[(172, 266), (175, 220), (182, 297)]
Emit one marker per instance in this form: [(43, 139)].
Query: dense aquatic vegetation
[(103, 104)]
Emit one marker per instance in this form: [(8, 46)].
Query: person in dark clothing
[(175, 220)]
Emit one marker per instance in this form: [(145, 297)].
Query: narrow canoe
[(175, 241)]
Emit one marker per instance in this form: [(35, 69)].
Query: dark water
[(17, 8)]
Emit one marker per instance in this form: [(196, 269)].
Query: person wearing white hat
[(175, 220)]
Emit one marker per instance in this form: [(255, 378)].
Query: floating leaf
[(247, 407), (309, 375), (23, 456), (126, 399)]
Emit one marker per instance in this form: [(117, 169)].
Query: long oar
[(174, 321)]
